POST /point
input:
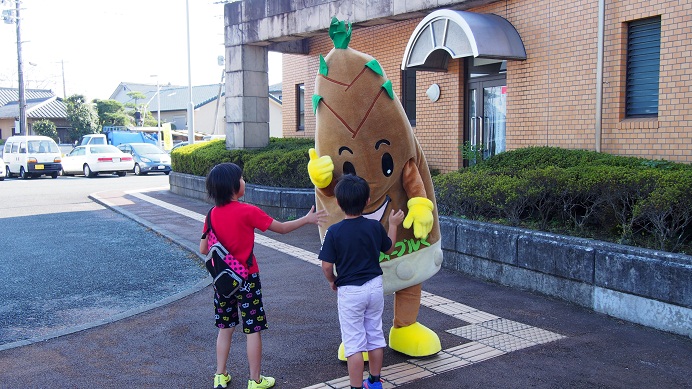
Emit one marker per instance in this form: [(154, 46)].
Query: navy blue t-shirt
[(354, 246)]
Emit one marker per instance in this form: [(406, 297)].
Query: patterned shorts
[(246, 305)]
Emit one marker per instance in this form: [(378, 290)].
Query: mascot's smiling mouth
[(379, 212)]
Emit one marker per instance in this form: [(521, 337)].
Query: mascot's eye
[(349, 169), (387, 165)]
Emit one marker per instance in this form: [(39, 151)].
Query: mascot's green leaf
[(388, 87), (340, 35), (375, 67), (323, 66), (315, 101)]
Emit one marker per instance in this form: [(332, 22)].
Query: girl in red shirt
[(234, 226)]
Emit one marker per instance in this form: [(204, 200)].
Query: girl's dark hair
[(352, 193), (223, 181)]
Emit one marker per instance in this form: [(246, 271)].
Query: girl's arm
[(203, 246), (312, 217)]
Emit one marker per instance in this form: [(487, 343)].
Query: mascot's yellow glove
[(320, 169), (420, 215)]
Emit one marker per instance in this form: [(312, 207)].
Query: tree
[(135, 95), (82, 116), (46, 128), (112, 113)]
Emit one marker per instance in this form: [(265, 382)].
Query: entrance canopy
[(457, 34)]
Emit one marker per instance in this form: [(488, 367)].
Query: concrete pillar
[(247, 97)]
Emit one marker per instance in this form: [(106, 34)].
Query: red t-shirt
[(234, 226)]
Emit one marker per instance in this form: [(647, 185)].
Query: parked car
[(2, 169), (92, 160), (207, 138), (179, 144), (31, 156), (148, 158)]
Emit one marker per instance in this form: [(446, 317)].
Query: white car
[(92, 160), (2, 169)]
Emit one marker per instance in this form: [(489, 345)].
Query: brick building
[(461, 82)]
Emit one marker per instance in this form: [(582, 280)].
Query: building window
[(408, 94), (643, 62), (300, 107)]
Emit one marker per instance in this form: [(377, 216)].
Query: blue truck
[(116, 135)]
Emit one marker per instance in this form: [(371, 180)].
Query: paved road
[(67, 262), (492, 336)]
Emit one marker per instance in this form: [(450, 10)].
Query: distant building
[(40, 104), (174, 102), (208, 101), (275, 111)]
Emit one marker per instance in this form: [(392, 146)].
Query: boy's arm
[(328, 270), (395, 218)]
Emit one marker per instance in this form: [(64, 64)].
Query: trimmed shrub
[(628, 200), (545, 190), (277, 167), (667, 211), (463, 193), (278, 164), (623, 199), (199, 158)]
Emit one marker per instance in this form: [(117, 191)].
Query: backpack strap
[(208, 223)]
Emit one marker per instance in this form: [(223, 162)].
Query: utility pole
[(20, 66), (64, 92), (191, 105)]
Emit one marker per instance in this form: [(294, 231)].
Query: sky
[(95, 45)]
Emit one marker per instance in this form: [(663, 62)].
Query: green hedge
[(627, 200), (282, 163)]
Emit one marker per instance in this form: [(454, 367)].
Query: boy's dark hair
[(352, 193), (223, 181)]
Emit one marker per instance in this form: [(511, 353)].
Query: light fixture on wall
[(433, 92)]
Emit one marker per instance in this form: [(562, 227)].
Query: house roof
[(40, 104), (276, 92), (172, 97)]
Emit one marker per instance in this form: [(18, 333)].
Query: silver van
[(31, 156)]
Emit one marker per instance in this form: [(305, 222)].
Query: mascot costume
[(362, 129)]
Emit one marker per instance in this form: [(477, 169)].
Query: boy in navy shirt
[(353, 245)]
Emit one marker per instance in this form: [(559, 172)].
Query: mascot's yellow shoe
[(415, 340), (342, 353)]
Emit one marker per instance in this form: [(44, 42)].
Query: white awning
[(457, 34)]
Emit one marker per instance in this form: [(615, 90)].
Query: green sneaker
[(221, 380), (265, 382)]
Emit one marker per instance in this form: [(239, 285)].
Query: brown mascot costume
[(361, 128)]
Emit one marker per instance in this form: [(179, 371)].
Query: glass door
[(486, 97), (487, 109)]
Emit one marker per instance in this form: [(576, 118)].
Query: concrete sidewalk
[(492, 336)]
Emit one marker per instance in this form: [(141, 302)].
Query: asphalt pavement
[(492, 336)]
